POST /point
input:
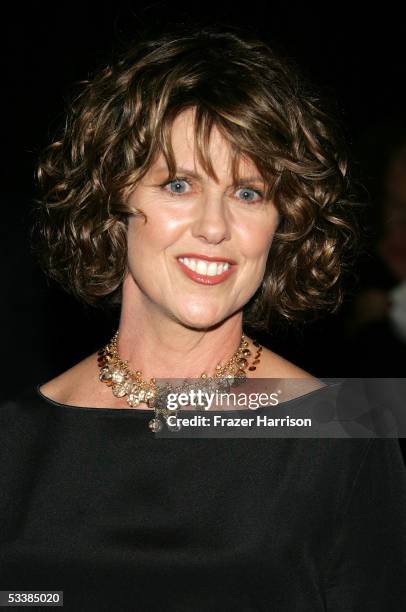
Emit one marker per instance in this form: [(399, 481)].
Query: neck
[(162, 347)]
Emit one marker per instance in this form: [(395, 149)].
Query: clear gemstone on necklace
[(105, 374), (119, 390), (118, 376), (155, 425), (136, 396), (133, 400)]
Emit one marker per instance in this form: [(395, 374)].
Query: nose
[(211, 223)]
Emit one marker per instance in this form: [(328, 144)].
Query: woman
[(199, 186)]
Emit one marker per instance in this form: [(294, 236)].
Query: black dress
[(94, 505)]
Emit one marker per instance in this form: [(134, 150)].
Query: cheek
[(150, 237), (256, 241), (140, 248)]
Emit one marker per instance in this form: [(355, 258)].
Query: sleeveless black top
[(95, 505)]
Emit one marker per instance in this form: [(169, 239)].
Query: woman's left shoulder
[(273, 365), (290, 380)]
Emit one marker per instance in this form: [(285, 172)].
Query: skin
[(171, 326)]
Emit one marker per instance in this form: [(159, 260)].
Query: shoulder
[(276, 366), (58, 387), (79, 386), (292, 380)]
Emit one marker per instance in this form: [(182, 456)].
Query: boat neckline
[(148, 411)]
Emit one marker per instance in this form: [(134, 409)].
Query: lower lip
[(206, 280)]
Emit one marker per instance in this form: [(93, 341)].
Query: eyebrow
[(191, 173)]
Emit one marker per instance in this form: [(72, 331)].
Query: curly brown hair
[(121, 120)]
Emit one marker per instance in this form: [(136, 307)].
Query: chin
[(200, 318)]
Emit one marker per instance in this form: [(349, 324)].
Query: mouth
[(207, 271)]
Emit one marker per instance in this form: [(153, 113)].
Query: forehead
[(183, 140)]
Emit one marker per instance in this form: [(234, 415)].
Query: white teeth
[(204, 267), (212, 269), (201, 267)]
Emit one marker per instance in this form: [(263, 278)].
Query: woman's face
[(194, 218)]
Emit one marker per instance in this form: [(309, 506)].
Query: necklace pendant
[(155, 425), (119, 390), (118, 376)]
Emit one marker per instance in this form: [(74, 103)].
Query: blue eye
[(177, 184), (248, 192)]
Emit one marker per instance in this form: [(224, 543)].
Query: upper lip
[(207, 257)]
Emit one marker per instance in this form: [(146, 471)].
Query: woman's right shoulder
[(70, 384), (80, 386)]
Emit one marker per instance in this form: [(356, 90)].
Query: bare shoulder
[(293, 380), (276, 366), (78, 386)]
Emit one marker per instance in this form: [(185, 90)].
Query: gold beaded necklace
[(115, 373)]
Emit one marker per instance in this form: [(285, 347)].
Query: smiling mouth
[(206, 272)]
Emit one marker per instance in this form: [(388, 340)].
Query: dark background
[(356, 60)]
